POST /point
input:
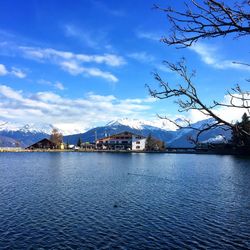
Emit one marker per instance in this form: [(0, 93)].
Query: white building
[(122, 141), (138, 142)]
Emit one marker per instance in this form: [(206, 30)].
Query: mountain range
[(12, 135), (16, 135)]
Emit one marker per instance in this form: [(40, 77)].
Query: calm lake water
[(124, 201)]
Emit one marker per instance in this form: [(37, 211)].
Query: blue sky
[(78, 64)]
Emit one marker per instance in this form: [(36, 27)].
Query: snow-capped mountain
[(27, 134), (144, 124), (142, 127), (35, 128), (216, 139), (14, 134), (27, 128), (182, 136), (161, 129)]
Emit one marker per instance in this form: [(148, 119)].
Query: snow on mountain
[(216, 139), (131, 123), (215, 135), (143, 124), (27, 128), (26, 134), (140, 127), (158, 124), (161, 129), (198, 125), (34, 128), (9, 126), (204, 123)]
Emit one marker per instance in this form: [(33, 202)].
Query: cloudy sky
[(78, 64)]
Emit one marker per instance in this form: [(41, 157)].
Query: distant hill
[(178, 138), (20, 138), (9, 142), (116, 128), (12, 134), (216, 134)]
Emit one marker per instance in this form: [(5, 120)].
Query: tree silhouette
[(56, 137), (239, 138), (79, 142), (153, 144), (206, 19)]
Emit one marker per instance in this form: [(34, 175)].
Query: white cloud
[(154, 36), (14, 71), (232, 114), (94, 38), (72, 67), (3, 70), (59, 86), (138, 100), (73, 63), (44, 82), (95, 65), (195, 116), (109, 59), (54, 55), (10, 93), (67, 113), (56, 85), (143, 57), (75, 69), (162, 67), (18, 73), (105, 8), (210, 56), (228, 114), (82, 35), (97, 72)]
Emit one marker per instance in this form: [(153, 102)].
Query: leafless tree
[(206, 19), (153, 144), (56, 137), (201, 20), (188, 99)]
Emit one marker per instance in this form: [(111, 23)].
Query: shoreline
[(14, 150)]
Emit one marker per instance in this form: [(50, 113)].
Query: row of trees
[(57, 138), (153, 144), (203, 20)]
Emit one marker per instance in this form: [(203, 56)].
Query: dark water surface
[(127, 201)]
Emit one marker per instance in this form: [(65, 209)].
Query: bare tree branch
[(207, 19), (202, 19), (188, 99), (205, 127)]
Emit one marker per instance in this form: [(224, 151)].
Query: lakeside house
[(87, 146), (122, 141), (43, 144)]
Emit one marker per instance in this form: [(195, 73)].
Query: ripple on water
[(137, 201)]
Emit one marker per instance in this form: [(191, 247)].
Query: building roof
[(121, 133), (43, 141)]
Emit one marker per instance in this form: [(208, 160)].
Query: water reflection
[(134, 201)]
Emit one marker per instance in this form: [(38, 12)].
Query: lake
[(124, 201)]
